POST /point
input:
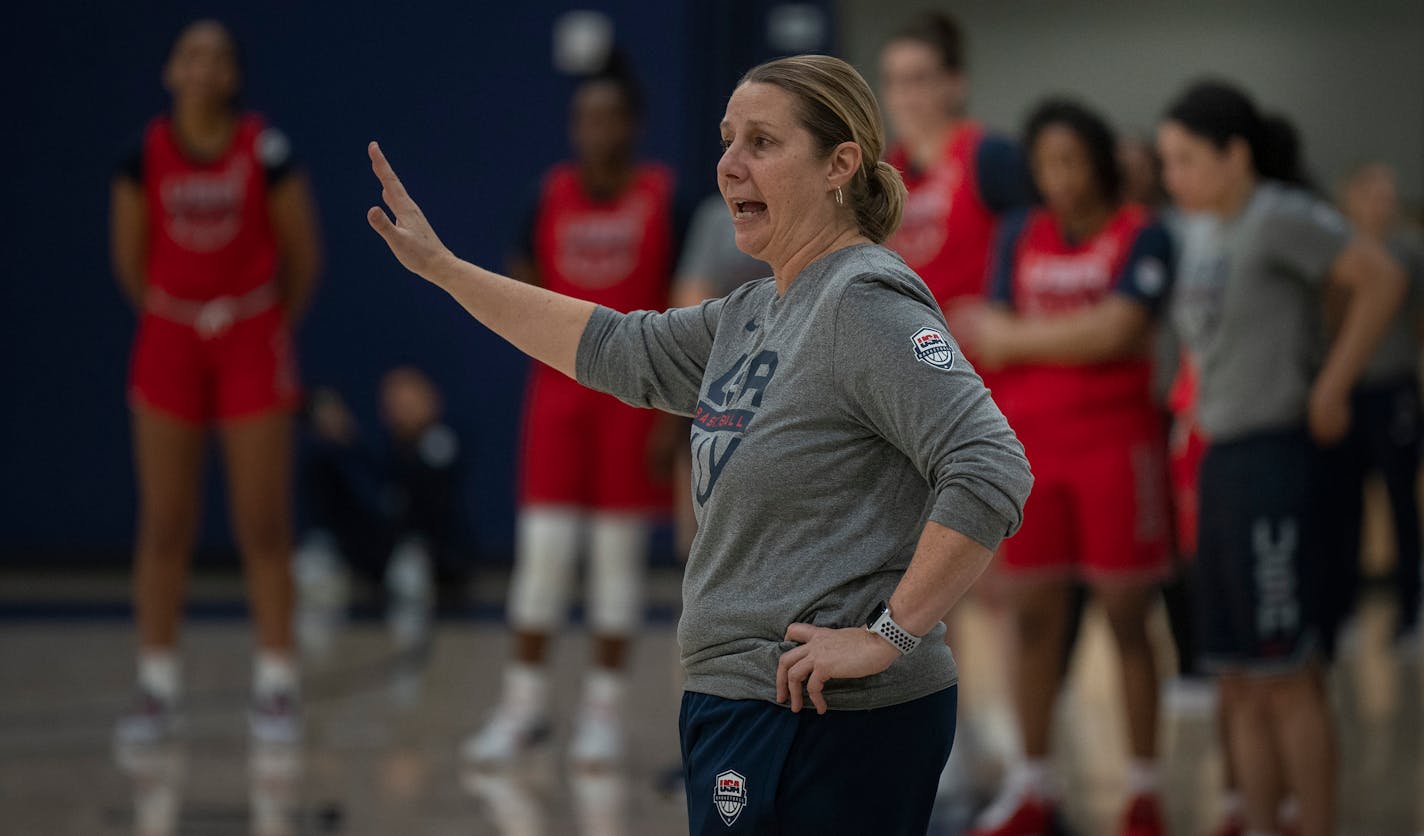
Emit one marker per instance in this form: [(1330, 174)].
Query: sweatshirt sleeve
[(904, 378), (649, 359)]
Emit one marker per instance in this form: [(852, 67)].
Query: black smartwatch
[(884, 626)]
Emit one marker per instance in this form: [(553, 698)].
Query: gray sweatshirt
[(828, 425)]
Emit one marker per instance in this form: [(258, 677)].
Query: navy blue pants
[(752, 766)]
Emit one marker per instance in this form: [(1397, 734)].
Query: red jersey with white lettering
[(583, 448), (1100, 506), (209, 233), (213, 342), (616, 251), (947, 229), (1041, 273)]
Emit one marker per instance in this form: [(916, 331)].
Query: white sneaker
[(152, 720), (598, 737), (320, 574), (511, 732), (409, 574), (276, 719)]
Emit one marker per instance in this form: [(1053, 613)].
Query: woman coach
[(851, 474)]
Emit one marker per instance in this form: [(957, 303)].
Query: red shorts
[(245, 369), (1098, 510), (1188, 447), (585, 449)]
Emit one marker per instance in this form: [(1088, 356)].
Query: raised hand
[(410, 237)]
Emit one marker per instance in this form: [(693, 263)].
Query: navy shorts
[(752, 766), (1258, 583)]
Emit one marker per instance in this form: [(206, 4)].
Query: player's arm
[(546, 326), (1111, 329), (1376, 285), (128, 237), (292, 213), (1116, 327)]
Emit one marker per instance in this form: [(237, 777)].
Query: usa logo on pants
[(730, 796)]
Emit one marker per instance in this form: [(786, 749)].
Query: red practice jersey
[(950, 217), (617, 251), (1040, 273), (209, 232)]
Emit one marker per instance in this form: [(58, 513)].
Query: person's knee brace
[(546, 546), (618, 550)]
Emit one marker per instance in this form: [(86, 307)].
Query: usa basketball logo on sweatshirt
[(730, 796), (931, 348)]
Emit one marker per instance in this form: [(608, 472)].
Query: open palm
[(410, 237)]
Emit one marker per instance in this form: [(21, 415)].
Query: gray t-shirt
[(1397, 356), (828, 425), (1248, 306), (711, 253)]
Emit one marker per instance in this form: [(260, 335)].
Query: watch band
[(883, 625)]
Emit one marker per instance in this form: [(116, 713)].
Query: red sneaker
[(1143, 817), (1033, 817)]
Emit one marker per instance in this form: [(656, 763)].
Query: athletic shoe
[(276, 718), (510, 733), (409, 574), (598, 737), (152, 720), (320, 574), (1032, 817), (1143, 817)]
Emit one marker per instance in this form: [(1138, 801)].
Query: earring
[(840, 199)]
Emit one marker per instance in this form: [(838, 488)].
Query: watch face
[(876, 613)]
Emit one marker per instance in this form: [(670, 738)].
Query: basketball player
[(1254, 267), (215, 243), (1077, 285), (603, 230)]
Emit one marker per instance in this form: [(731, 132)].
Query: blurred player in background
[(960, 176), (1254, 267), (1076, 287), (388, 510), (215, 242), (1385, 434), (602, 230)]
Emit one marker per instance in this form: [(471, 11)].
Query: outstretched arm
[(542, 324)]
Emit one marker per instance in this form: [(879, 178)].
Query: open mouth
[(744, 210)]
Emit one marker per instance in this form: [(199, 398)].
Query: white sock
[(1033, 777), (604, 688), (526, 688), (158, 673), (1142, 777), (274, 672)]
